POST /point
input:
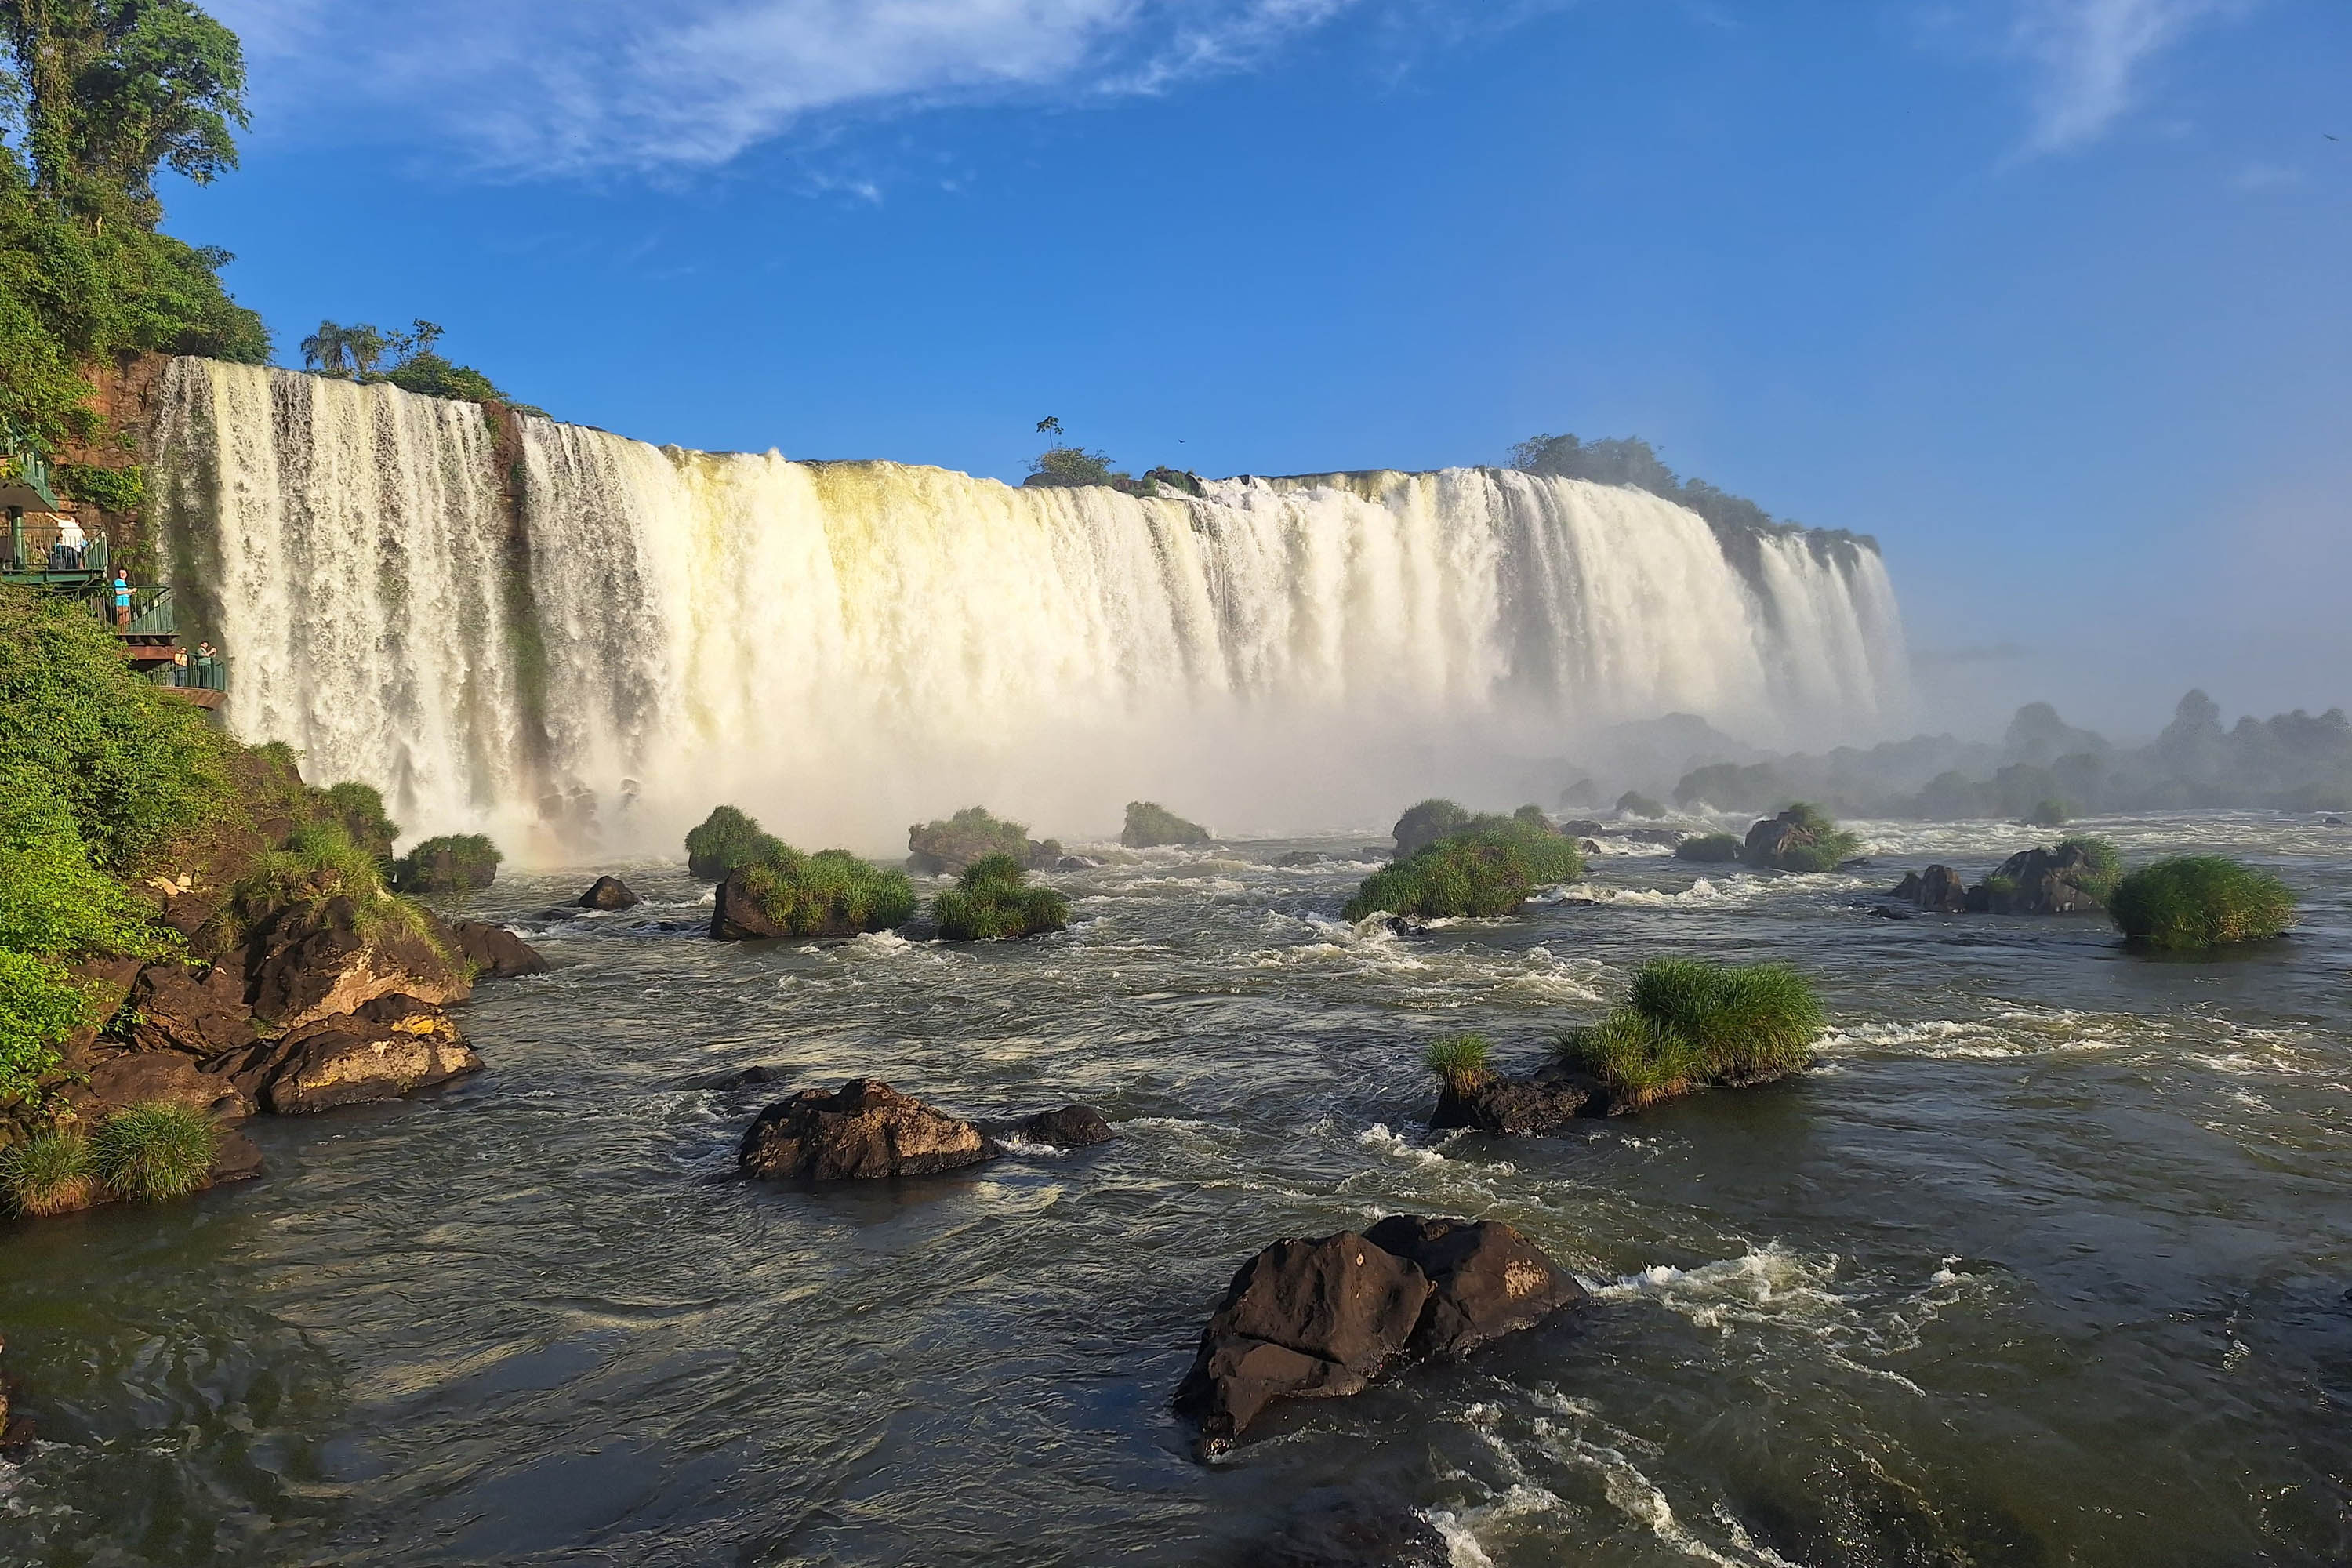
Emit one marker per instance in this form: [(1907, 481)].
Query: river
[(2045, 1262)]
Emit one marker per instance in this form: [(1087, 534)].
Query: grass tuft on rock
[(1486, 869), (1690, 1023), (1711, 848), (150, 1153), (829, 893), (49, 1173), (726, 838), (1811, 842), (320, 862), (1461, 1062), (1150, 826), (2103, 868), (452, 863), (2196, 901), (994, 898)]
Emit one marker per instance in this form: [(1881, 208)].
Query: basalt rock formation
[(865, 1129), (2061, 881), (609, 893), (313, 961), (1547, 1100), (390, 1046), (1320, 1318), (496, 952), (1938, 888)]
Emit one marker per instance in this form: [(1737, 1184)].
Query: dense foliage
[(1486, 868), (47, 1174), (451, 863), (1631, 461), (969, 835), (1151, 825), (2199, 901), (1815, 843), (96, 96), (829, 893), (1690, 1023), (2103, 867), (726, 838), (359, 809), (994, 897)]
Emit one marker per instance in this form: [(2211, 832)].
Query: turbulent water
[(659, 629), (2045, 1262)]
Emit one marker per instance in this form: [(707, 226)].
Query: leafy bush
[(153, 1152), (2103, 867), (1712, 847), (359, 809), (1690, 1023), (829, 893), (970, 835), (49, 1173), (1072, 466), (2199, 902), (1486, 869), (1813, 843), (454, 862), (1423, 825), (1151, 825), (726, 838), (2051, 812), (40, 1007), (994, 898), (1635, 804), (320, 862), (1460, 1061)]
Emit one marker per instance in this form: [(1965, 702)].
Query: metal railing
[(201, 673), (50, 549)]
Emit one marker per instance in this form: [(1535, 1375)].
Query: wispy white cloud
[(571, 86), (2090, 57)]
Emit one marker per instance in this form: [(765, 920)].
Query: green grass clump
[(1486, 869), (150, 1153), (1424, 824), (829, 893), (454, 862), (1460, 1061), (1818, 845), (2199, 902), (2051, 813), (968, 837), (359, 809), (49, 1173), (993, 898), (1711, 848), (726, 838), (2104, 867), (1690, 1023), (1151, 825), (320, 862)]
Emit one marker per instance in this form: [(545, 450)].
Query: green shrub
[(40, 1007), (2103, 868), (1711, 848), (994, 898), (2199, 901), (970, 835), (320, 862), (1486, 869), (1817, 844), (359, 809), (1151, 825), (829, 893), (49, 1173), (1632, 803), (726, 838), (1690, 1023), (153, 1152), (2051, 812), (454, 862), (1460, 1061), (1423, 825)]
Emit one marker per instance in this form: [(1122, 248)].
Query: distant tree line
[(364, 352), (1631, 461)]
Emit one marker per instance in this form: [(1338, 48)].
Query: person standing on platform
[(122, 602)]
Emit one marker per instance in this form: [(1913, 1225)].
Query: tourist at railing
[(122, 602)]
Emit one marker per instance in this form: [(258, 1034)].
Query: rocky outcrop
[(862, 1130), (1940, 889), (1067, 1127), (2041, 883), (609, 893), (144, 1077), (309, 962), (1547, 1100), (390, 1046), (1775, 839), (945, 848), (1320, 1318), (494, 953)]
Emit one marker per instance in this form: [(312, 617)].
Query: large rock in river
[(391, 1047), (2041, 883), (496, 952), (1319, 1318), (313, 961), (609, 893), (1938, 888), (174, 1009), (1547, 1100), (861, 1130)]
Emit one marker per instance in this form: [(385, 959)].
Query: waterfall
[(581, 642)]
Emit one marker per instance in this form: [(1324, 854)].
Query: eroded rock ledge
[(865, 1129)]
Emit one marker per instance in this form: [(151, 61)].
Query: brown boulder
[(1486, 1280), (1069, 1127), (1938, 888), (1545, 1102), (861, 1130), (496, 952), (176, 1011), (391, 1047), (143, 1078), (313, 961), (609, 893)]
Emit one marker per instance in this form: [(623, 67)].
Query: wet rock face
[(1320, 1318), (173, 1010), (862, 1130), (392, 1046), (310, 962), (2039, 882), (145, 1077), (1547, 1100), (1070, 1127), (609, 893), (496, 952), (1938, 888)]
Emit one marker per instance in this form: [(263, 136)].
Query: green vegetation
[(726, 838), (1712, 847), (2051, 812), (829, 893), (354, 352), (96, 97), (153, 1152), (1460, 1061), (1486, 868), (454, 862), (320, 862), (2100, 870), (1632, 462), (970, 835), (1813, 843), (1151, 825), (40, 1008), (994, 898), (359, 809), (1690, 1024), (2199, 902), (49, 1173), (1632, 803), (1426, 823)]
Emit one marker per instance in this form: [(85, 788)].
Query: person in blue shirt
[(121, 601)]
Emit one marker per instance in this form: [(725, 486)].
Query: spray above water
[(580, 642)]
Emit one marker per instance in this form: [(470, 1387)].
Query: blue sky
[(2051, 295)]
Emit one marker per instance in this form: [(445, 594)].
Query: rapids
[(2045, 1262)]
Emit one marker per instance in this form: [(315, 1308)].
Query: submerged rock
[(1544, 1102), (609, 893), (862, 1130), (1938, 888), (1320, 1318), (391, 1047), (496, 952), (1297, 857), (751, 1076), (1069, 1127)]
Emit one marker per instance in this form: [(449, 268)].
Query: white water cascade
[(580, 643)]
